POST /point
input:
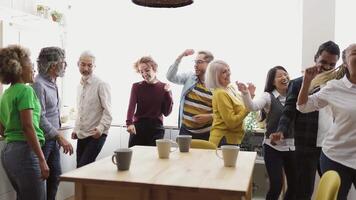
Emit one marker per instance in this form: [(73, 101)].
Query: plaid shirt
[(305, 125)]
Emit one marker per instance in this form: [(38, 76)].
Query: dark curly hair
[(11, 63)]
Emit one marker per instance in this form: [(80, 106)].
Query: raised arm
[(172, 73)]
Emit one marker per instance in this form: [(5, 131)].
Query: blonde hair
[(11, 63), (146, 60), (213, 72)]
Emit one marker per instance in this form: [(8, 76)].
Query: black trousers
[(147, 132), (307, 162), (275, 162)]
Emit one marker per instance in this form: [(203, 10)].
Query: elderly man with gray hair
[(51, 65), (94, 112)]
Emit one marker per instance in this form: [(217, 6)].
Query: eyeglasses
[(199, 61)]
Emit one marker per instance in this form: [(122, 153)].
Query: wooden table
[(198, 175)]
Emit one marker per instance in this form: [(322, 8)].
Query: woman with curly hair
[(149, 100), (22, 157)]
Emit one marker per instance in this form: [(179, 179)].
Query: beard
[(60, 73)]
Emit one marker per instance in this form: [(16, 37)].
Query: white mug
[(164, 147), (229, 154)]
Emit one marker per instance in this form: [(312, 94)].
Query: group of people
[(304, 135), (30, 119), (310, 121)]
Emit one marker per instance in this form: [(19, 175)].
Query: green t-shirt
[(16, 98)]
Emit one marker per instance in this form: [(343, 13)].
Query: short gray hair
[(87, 54), (212, 74), (47, 57)]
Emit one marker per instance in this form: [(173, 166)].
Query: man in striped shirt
[(195, 110)]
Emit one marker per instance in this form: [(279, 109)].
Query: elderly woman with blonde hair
[(228, 108), (22, 157)]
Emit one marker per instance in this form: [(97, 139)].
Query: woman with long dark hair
[(277, 156)]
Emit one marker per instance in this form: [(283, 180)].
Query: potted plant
[(42, 11), (56, 16)]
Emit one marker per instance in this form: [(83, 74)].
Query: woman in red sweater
[(149, 100)]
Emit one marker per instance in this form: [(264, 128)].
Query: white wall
[(318, 27), (252, 37)]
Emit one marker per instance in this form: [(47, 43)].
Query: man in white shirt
[(94, 112)]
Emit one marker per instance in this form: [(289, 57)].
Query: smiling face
[(224, 76), (147, 73), (326, 61), (200, 65), (281, 80)]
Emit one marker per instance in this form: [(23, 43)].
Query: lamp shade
[(163, 3)]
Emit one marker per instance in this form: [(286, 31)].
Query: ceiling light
[(163, 3)]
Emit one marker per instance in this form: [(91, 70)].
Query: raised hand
[(310, 73), (167, 87), (251, 88), (242, 87), (188, 52)]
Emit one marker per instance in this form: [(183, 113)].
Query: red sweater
[(149, 101)]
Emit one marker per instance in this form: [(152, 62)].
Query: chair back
[(202, 144), (328, 187)]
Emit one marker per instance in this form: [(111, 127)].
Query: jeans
[(88, 149), (51, 153), (22, 168), (147, 132), (347, 175), (275, 162), (307, 159), (201, 136)]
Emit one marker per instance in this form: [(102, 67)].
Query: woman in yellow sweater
[(228, 108)]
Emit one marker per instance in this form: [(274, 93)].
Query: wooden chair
[(328, 187), (202, 144)]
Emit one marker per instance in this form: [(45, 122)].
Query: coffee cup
[(184, 142), (229, 154), (164, 147), (122, 158)]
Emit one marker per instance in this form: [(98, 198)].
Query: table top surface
[(199, 168)]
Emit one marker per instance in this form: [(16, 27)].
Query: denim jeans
[(51, 153), (275, 162), (307, 159), (88, 149), (347, 175), (201, 136), (22, 168)]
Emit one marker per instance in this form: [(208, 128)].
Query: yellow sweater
[(228, 115)]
